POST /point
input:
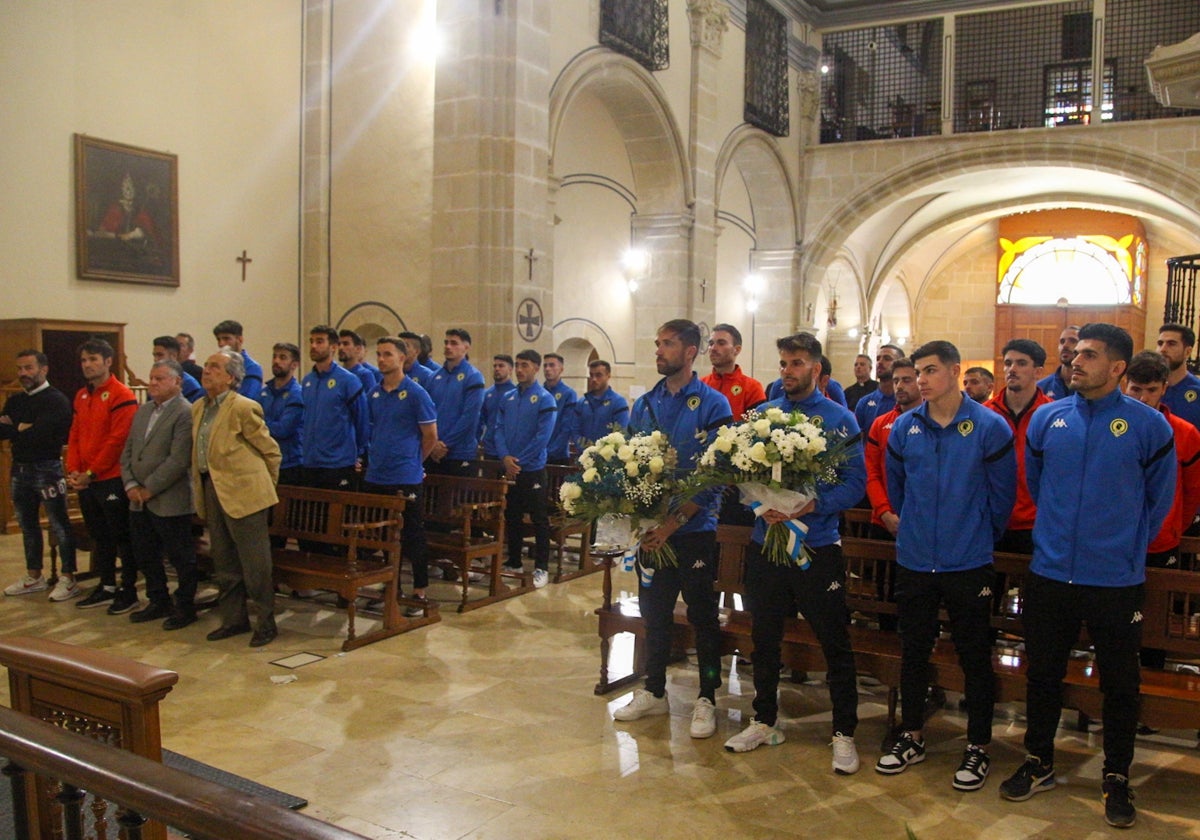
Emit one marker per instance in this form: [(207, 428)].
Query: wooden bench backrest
[(326, 516), (1171, 614), (448, 499)]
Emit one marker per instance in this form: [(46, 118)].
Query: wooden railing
[(143, 788)]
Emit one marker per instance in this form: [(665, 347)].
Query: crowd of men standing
[(950, 471)]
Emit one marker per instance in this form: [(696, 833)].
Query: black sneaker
[(973, 770), (98, 597), (123, 602), (1031, 777), (1118, 801), (150, 613), (905, 751)]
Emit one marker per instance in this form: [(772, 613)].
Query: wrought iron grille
[(638, 29), (1132, 30), (1180, 307), (882, 81), (766, 68)]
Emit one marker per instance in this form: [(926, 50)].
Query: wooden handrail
[(199, 807)]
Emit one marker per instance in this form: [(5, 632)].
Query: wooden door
[(1043, 324)]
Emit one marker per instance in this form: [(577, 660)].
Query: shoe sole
[(1129, 824), (705, 733), (968, 786), (892, 771), (847, 771), (25, 592), (54, 600), (84, 605), (773, 741), (1038, 788), (640, 715), (124, 610)]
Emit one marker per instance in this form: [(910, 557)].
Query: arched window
[(1084, 270)]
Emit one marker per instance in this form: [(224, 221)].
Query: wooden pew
[(464, 524), (364, 530)]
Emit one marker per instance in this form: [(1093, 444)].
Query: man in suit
[(155, 470), (236, 468)]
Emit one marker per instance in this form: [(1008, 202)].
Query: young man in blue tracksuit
[(775, 592), (1182, 397), (457, 391), (524, 425), (1056, 385), (600, 408), (1101, 468), (952, 478), (689, 413), (559, 450), (283, 409), (502, 384), (336, 425)]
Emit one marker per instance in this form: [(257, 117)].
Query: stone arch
[(639, 109), (581, 331), (907, 179), (760, 162)]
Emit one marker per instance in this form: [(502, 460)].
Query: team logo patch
[(966, 427), (533, 398), (461, 377), (817, 420), (736, 389), (331, 384), (693, 403), (104, 396), (606, 402), (1118, 427), (558, 397), (403, 395), (1190, 395)]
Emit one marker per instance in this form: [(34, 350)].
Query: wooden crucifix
[(529, 255), (703, 288), (244, 260)]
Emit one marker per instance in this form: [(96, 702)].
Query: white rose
[(775, 415), (607, 452), (656, 465), (723, 445), (762, 427), (758, 453), (631, 469), (590, 476), (613, 438), (625, 452)]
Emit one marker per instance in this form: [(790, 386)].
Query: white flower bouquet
[(777, 459), (626, 480)]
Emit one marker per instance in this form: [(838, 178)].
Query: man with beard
[(37, 421), (689, 413), (884, 520), (187, 347), (502, 384), (743, 392), (863, 383), (413, 369), (1016, 402), (457, 391), (978, 383), (818, 591), (1104, 459), (283, 409), (336, 425), (601, 407), (882, 400), (1057, 384), (1175, 343)]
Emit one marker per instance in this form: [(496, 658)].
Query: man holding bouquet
[(776, 590), (689, 413)]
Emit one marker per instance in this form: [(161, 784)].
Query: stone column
[(315, 164), (774, 318), (709, 19), (490, 161), (663, 293)]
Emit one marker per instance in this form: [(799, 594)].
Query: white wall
[(216, 83)]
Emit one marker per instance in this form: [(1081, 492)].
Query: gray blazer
[(162, 462)]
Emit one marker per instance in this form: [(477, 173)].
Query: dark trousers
[(241, 553), (105, 509), (819, 592), (450, 466), (412, 534), (1157, 657), (293, 476), (1053, 613), (528, 496), (968, 599), (152, 537), (329, 478), (693, 578), (41, 483)]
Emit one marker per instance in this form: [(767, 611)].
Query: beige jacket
[(243, 458)]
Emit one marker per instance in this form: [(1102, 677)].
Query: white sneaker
[(642, 705), (540, 578), (754, 736), (845, 755), (704, 718), (65, 589), (26, 586)]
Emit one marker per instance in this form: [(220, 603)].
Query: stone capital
[(709, 19)]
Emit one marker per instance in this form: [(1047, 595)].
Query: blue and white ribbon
[(796, 533)]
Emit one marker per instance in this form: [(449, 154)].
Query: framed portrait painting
[(126, 213)]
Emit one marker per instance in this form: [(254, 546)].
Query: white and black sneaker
[(973, 770), (905, 750)]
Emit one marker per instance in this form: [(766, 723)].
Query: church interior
[(567, 175)]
